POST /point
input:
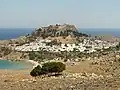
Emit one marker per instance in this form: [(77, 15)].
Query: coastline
[(35, 63)]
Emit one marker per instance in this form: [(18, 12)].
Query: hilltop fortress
[(57, 30)]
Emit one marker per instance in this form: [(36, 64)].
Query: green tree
[(53, 67), (36, 71), (48, 68)]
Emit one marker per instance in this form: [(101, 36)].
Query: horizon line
[(77, 28)]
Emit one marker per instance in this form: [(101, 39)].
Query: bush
[(36, 71), (53, 67), (50, 67)]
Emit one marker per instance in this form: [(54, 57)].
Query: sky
[(37, 13)]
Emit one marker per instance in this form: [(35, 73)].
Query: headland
[(91, 62)]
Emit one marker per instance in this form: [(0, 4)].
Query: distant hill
[(57, 30)]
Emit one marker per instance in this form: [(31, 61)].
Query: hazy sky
[(37, 13)]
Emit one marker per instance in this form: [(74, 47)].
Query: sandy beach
[(35, 64)]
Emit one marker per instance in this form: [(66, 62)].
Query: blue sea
[(101, 31), (10, 33)]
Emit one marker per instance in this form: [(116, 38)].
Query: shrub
[(53, 67), (50, 67), (36, 71)]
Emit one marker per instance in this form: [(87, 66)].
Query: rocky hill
[(57, 30), (61, 33)]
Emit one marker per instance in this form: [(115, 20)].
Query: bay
[(6, 64)]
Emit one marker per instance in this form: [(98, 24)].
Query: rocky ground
[(66, 82), (78, 76)]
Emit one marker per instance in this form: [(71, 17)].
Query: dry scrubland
[(77, 76)]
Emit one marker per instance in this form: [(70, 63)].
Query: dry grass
[(14, 75), (84, 66)]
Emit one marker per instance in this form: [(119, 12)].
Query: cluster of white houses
[(85, 46)]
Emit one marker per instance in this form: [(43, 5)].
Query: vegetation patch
[(53, 68)]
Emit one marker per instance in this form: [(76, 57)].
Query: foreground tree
[(48, 68), (53, 67), (36, 71)]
